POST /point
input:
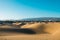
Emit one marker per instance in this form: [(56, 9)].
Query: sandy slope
[(53, 30), (30, 37), (26, 37), (52, 27)]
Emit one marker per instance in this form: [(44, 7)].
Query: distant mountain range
[(42, 19), (37, 19)]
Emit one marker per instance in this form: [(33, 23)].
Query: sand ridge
[(52, 29)]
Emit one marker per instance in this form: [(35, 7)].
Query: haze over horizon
[(18, 9)]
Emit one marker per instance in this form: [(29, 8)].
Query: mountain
[(42, 19)]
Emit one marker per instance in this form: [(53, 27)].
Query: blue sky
[(19, 9)]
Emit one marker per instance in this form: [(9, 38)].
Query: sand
[(52, 29)]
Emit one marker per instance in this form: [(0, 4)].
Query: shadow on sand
[(26, 31)]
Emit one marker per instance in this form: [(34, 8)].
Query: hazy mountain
[(42, 19)]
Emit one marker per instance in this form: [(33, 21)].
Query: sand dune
[(52, 29), (36, 27)]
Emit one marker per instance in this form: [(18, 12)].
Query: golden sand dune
[(52, 29), (25, 26), (35, 25)]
